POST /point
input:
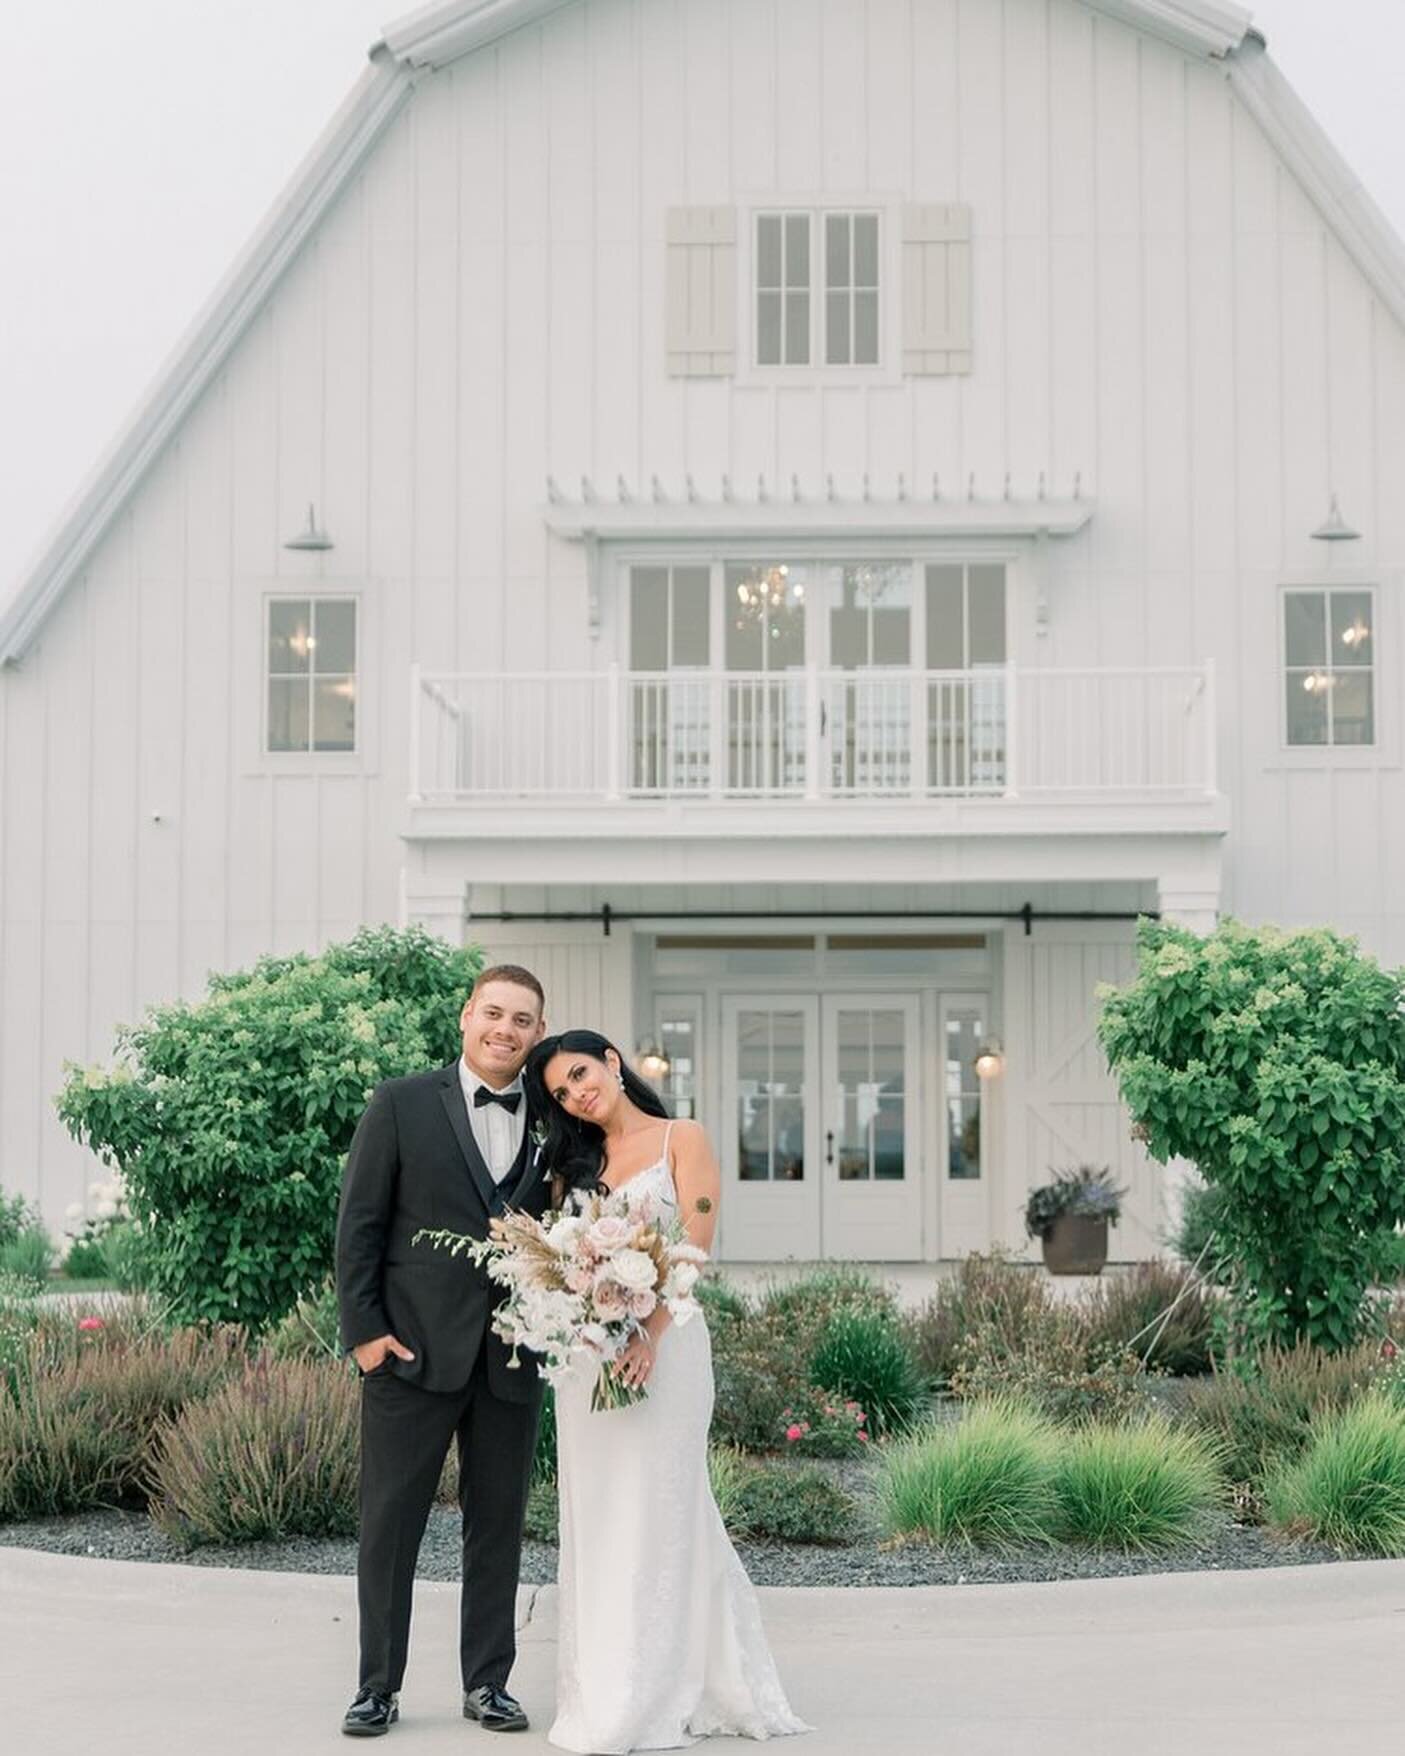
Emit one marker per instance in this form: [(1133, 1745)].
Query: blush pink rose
[(641, 1303), (609, 1232), (609, 1300)]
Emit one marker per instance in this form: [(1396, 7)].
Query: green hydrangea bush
[(230, 1117), (1275, 1063)]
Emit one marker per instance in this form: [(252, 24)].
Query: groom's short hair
[(510, 972)]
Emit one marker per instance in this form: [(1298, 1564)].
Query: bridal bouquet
[(580, 1282)]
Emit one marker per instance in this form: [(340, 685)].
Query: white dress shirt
[(498, 1133)]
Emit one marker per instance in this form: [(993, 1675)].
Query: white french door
[(820, 1127)]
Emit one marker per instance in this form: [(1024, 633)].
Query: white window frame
[(1330, 751), (817, 207), (310, 754)]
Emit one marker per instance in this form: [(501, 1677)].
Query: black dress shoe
[(371, 1715), (494, 1709)]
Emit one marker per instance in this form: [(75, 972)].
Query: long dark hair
[(574, 1150)]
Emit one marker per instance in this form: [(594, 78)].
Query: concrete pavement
[(125, 1657)]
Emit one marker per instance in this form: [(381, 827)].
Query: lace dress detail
[(660, 1638)]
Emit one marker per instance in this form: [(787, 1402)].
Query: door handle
[(829, 1147), (824, 719)]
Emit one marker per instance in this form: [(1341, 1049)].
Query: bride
[(660, 1637)]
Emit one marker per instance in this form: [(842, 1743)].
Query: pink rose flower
[(641, 1303), (863, 1436), (609, 1300), (88, 1324), (609, 1232), (794, 1432)]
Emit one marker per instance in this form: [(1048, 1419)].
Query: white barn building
[(813, 530)]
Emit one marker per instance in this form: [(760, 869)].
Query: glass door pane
[(869, 715), (873, 1189), (765, 653), (669, 693), (770, 1131), (966, 711)]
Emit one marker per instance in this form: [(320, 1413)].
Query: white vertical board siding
[(1156, 309), (1060, 1102)]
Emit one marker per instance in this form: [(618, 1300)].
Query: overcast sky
[(142, 140)]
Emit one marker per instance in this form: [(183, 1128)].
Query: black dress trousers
[(405, 1437)]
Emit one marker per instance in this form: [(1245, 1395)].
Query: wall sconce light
[(990, 1059), (1334, 528), (311, 538), (652, 1062)]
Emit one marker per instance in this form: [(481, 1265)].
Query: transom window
[(836, 252), (1329, 666), (311, 674)]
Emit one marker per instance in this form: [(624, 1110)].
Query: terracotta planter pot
[(1076, 1245)]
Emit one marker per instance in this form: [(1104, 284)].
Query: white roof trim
[(440, 33), (1205, 27), (198, 358), (1332, 186), (437, 34)]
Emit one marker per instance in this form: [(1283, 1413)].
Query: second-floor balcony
[(1135, 736)]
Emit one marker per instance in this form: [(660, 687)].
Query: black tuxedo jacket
[(415, 1166)]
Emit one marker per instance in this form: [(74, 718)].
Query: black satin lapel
[(531, 1171), (451, 1092)]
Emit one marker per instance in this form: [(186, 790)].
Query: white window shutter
[(702, 292), (936, 289)]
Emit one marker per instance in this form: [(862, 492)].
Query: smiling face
[(500, 1023), (584, 1087)]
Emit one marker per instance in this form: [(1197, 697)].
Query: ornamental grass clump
[(862, 1357), (1137, 1485), (1261, 1413), (272, 1454), (1157, 1311), (1348, 1487), (987, 1481), (1009, 1301), (1054, 1369), (78, 1425)]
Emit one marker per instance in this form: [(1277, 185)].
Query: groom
[(444, 1150)]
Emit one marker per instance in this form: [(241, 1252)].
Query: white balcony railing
[(816, 734)]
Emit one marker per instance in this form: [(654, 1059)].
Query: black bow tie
[(508, 1099)]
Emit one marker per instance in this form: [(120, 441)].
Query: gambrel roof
[(439, 33)]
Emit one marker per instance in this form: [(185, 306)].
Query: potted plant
[(1070, 1217)]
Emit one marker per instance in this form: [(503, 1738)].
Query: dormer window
[(836, 252)]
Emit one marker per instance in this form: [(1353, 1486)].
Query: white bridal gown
[(660, 1635)]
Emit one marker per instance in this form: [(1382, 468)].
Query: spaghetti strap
[(663, 1156)]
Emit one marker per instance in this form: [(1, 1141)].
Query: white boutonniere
[(538, 1140)]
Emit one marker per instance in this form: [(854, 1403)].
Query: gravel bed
[(130, 1536)]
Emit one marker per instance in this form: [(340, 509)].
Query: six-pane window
[(1329, 666), (311, 674), (847, 274)]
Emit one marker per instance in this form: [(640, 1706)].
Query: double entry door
[(820, 1131)]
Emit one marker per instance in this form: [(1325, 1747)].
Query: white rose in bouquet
[(634, 1270)]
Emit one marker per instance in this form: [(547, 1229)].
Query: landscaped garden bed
[(1243, 1408), (1013, 1437)]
